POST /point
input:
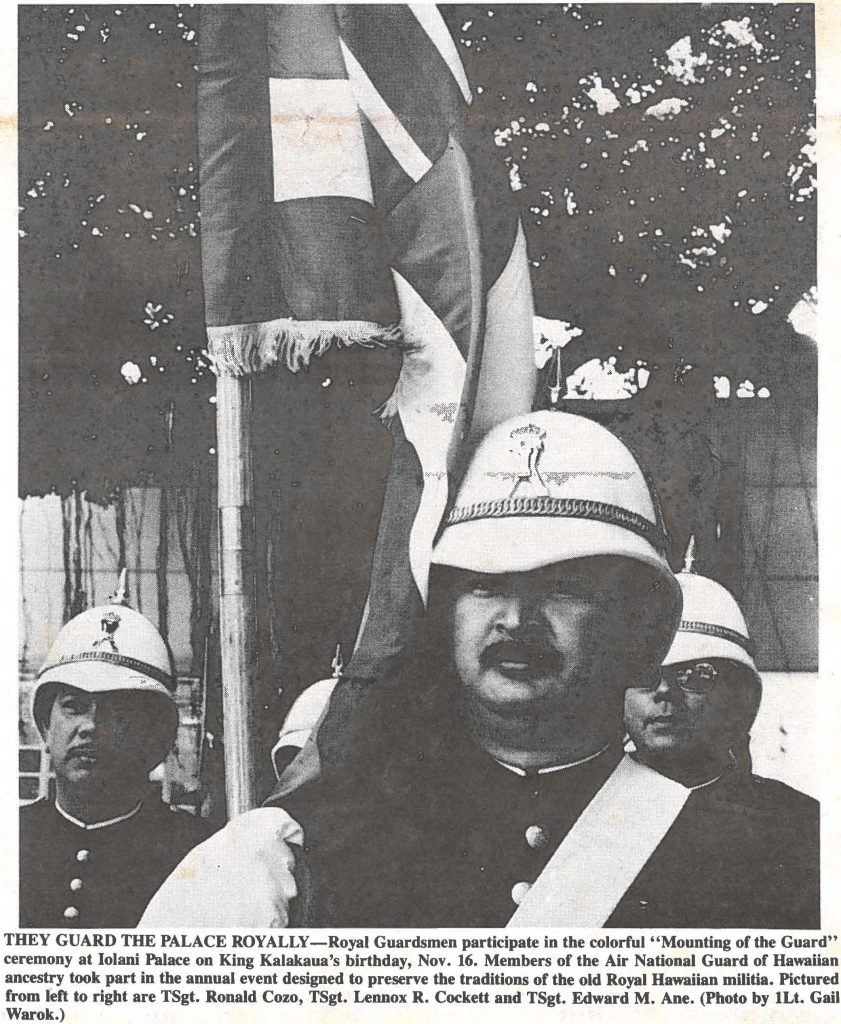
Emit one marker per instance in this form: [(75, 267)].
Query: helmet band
[(562, 508), (110, 658), (721, 632)]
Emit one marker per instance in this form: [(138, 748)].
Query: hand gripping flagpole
[(237, 591)]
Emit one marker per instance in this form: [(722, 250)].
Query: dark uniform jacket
[(743, 853), (72, 877), (452, 843)]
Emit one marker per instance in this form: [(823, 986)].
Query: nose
[(88, 719), (667, 689), (518, 615)]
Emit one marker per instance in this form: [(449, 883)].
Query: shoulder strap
[(604, 851)]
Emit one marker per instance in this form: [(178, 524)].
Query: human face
[(690, 711), (101, 741), (532, 642)]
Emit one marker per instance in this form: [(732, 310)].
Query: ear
[(162, 741), (42, 710), (628, 619), (161, 725), (45, 736), (747, 695)]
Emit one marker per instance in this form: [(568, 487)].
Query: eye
[(72, 705), (481, 588), (481, 585), (572, 586)]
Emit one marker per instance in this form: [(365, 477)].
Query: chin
[(659, 745), (81, 787), (90, 782), (78, 776)]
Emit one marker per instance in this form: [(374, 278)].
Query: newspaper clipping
[(418, 513)]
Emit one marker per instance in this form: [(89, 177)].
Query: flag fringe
[(243, 349), (389, 409), (411, 350)]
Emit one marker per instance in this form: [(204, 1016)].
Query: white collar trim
[(558, 767), (97, 824), (702, 785)]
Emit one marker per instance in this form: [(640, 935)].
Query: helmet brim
[(294, 738), (289, 741), (699, 647), (93, 677), (523, 543)]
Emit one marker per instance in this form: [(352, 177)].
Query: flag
[(348, 198)]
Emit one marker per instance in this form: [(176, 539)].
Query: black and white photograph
[(417, 476)]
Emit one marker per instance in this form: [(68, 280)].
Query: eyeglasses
[(697, 678)]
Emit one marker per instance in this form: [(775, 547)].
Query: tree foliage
[(662, 157)]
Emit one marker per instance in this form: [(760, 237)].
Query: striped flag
[(347, 198)]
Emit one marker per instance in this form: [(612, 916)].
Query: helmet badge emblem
[(527, 447), (109, 622)]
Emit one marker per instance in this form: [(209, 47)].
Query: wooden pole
[(237, 589)]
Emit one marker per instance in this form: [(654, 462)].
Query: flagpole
[(237, 591)]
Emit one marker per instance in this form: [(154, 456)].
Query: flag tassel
[(242, 349)]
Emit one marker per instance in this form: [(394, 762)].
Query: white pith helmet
[(303, 717), (549, 487), (108, 648), (712, 624)]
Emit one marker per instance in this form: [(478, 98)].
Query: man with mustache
[(93, 856), (485, 784), (478, 762), (693, 724)]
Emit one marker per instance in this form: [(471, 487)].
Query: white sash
[(604, 851)]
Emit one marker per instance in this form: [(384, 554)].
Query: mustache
[(534, 652)]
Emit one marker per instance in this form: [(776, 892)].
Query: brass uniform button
[(518, 893), (83, 855), (536, 837), (76, 884), (71, 913)]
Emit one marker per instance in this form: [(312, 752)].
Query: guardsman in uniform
[(549, 594), (93, 856), (487, 784), (693, 724)]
